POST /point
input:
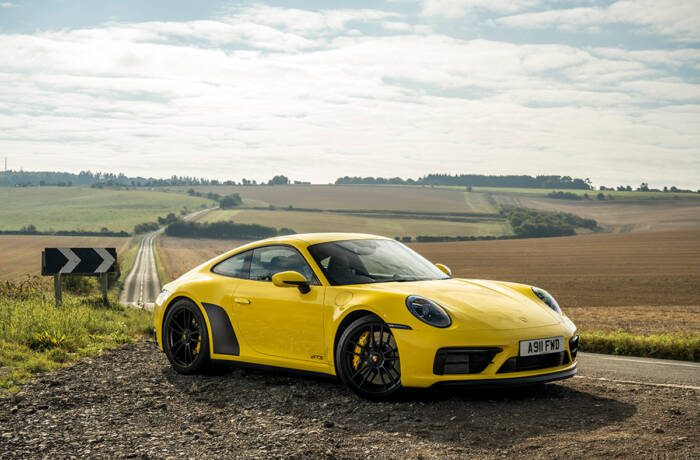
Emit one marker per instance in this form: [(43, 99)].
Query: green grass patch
[(666, 346), (76, 208), (160, 267), (36, 336), (397, 225)]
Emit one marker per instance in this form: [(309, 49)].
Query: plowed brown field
[(21, 255), (628, 269)]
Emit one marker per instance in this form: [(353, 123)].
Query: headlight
[(547, 298), (428, 311), (162, 296)]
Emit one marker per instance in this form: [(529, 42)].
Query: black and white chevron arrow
[(78, 261)]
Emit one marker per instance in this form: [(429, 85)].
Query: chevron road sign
[(78, 261), (100, 262)]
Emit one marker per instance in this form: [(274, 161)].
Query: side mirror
[(445, 269), (291, 279)]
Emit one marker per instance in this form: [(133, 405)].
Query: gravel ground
[(128, 403)]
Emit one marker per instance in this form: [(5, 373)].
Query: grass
[(36, 336), (127, 257), (365, 197), (75, 208), (667, 346), (160, 267), (302, 222)]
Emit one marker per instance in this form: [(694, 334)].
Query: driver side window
[(270, 260)]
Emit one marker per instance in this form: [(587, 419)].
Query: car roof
[(315, 238)]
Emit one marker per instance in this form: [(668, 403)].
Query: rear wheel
[(367, 359), (185, 338)]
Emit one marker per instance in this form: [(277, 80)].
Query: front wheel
[(367, 359), (185, 338)]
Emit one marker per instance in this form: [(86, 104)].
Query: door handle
[(241, 300)]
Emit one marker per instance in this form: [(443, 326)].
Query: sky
[(606, 90)]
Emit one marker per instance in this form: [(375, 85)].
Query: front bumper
[(419, 348), (511, 382)]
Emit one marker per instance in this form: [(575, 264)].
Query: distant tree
[(643, 187), (279, 180), (230, 201), (600, 196)]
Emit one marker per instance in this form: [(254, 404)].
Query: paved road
[(644, 370), (142, 284)]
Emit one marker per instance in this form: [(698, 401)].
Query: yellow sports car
[(365, 308)]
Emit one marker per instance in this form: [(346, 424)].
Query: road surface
[(629, 369), (142, 284)]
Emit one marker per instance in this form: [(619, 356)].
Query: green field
[(352, 197), (303, 222), (74, 208)]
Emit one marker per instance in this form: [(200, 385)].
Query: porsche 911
[(366, 309)]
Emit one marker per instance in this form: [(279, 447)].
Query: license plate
[(541, 346)]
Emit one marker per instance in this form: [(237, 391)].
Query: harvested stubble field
[(621, 215), (179, 255), (647, 283), (21, 254), (304, 222), (597, 270)]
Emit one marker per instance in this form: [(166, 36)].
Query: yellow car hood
[(478, 304)]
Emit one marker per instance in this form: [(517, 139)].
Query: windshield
[(372, 261)]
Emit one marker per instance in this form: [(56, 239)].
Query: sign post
[(57, 289), (79, 261)]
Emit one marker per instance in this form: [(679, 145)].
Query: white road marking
[(633, 382), (644, 361)]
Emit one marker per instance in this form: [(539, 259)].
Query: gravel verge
[(128, 403)]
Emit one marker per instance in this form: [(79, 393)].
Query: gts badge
[(317, 357)]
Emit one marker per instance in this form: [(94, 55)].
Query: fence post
[(57, 289)]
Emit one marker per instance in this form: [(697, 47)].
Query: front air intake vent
[(463, 360)]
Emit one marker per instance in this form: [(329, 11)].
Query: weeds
[(668, 346), (36, 336)]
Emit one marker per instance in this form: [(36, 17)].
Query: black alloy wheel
[(367, 359), (185, 338)]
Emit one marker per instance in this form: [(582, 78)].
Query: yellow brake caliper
[(358, 349)]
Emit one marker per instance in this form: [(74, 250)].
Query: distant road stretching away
[(142, 284)]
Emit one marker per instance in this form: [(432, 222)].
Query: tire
[(367, 359), (185, 338)]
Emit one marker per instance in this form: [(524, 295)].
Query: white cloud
[(460, 8), (250, 94), (8, 5), (679, 19)]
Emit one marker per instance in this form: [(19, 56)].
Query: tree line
[(475, 180), (224, 230)]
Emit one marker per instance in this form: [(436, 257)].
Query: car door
[(280, 321)]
